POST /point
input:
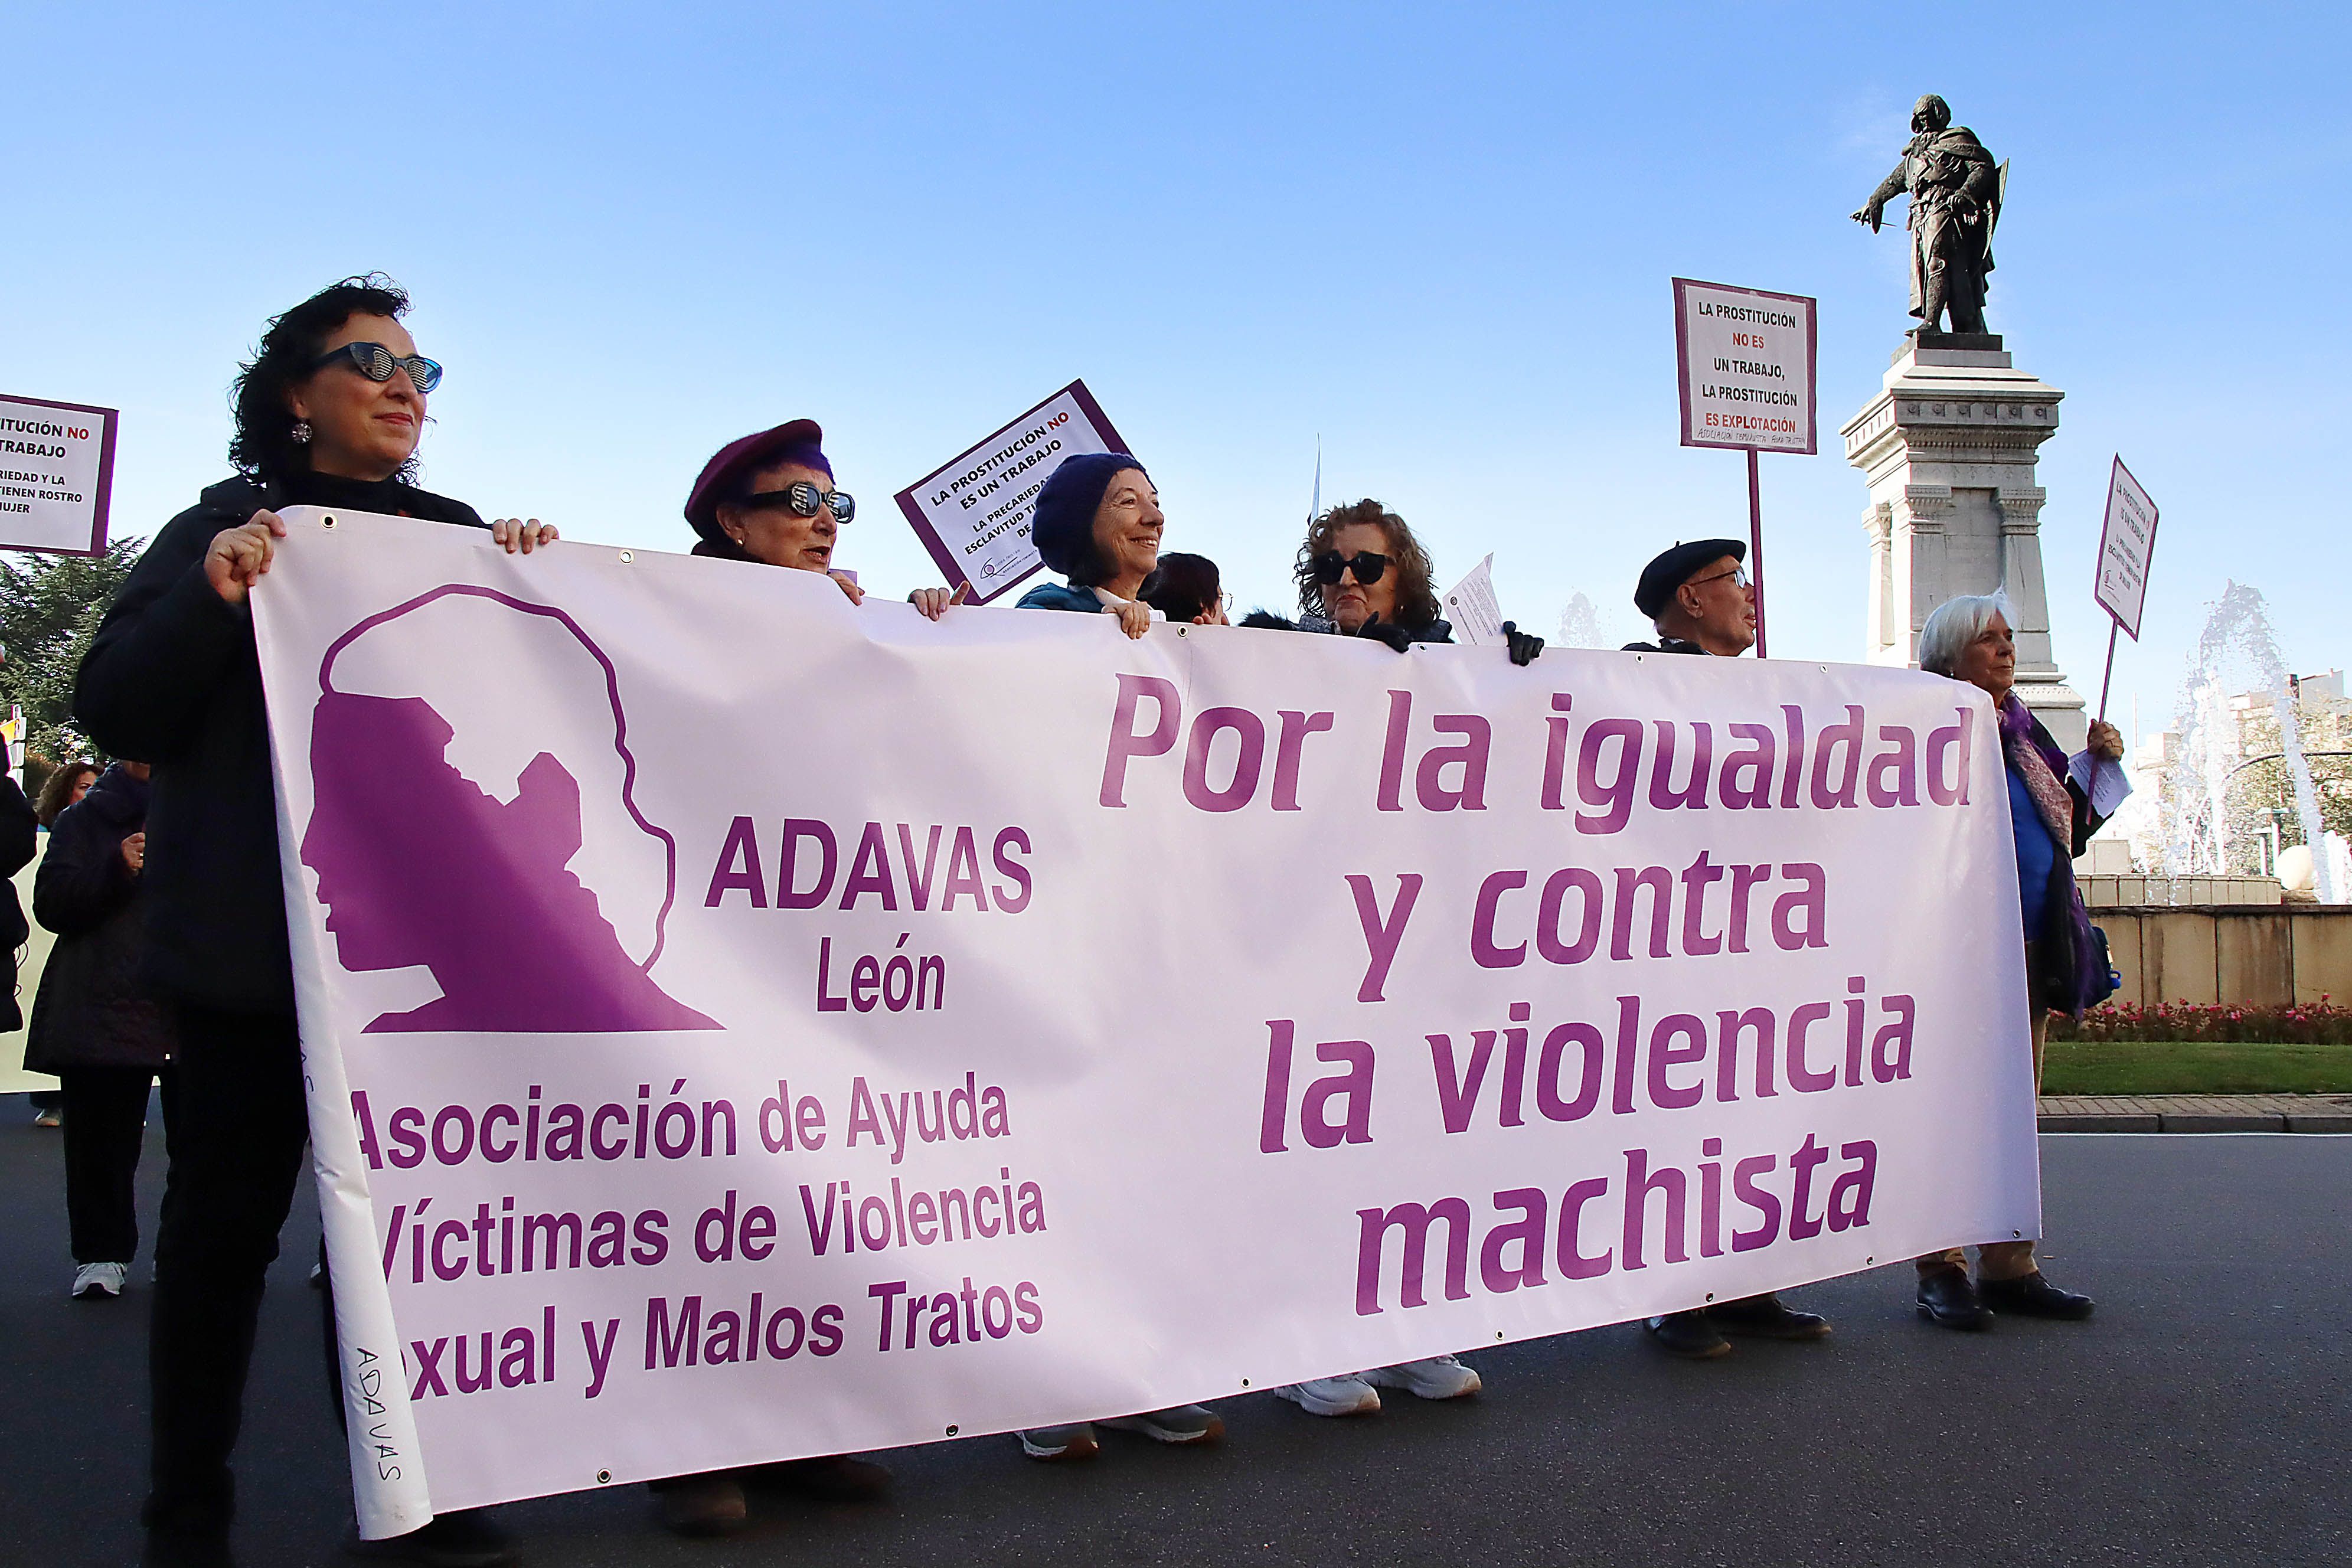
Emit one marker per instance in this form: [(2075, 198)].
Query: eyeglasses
[(1368, 567), (1738, 575), (377, 363), (805, 500)]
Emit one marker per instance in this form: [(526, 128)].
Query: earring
[(301, 432)]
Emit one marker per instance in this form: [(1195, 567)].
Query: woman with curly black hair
[(327, 413)]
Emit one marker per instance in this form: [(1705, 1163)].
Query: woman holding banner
[(1969, 638), (1361, 573), (769, 497), (327, 413), (1098, 522)]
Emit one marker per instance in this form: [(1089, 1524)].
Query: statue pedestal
[(1948, 449)]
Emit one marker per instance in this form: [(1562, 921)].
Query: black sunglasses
[(1368, 567), (804, 498), (377, 363)]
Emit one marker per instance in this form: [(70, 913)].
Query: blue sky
[(1440, 238)]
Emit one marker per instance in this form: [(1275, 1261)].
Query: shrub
[(2308, 1023)]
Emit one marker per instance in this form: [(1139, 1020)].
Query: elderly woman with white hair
[(2052, 818)]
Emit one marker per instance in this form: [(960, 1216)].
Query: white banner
[(1745, 359), (743, 1025), (56, 473), (973, 514)]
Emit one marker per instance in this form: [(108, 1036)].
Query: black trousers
[(236, 1153), (106, 1128)]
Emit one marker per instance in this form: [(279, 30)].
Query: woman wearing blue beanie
[(1098, 522)]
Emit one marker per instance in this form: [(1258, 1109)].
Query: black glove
[(1396, 637), (1525, 646)]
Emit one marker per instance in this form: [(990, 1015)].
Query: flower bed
[(2313, 1023)]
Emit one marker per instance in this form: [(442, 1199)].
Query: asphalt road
[(2203, 1416)]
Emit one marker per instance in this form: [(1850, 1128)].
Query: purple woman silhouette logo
[(422, 862)]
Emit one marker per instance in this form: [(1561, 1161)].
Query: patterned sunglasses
[(377, 363)]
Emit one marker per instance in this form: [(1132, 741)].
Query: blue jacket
[(1061, 596)]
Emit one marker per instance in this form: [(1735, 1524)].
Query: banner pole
[(2112, 626), (1756, 545)]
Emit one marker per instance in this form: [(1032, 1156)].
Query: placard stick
[(1756, 545), (2113, 627)]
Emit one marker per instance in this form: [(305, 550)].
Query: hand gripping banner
[(744, 1025)]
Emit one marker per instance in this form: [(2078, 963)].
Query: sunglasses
[(1368, 567), (1738, 575), (805, 500), (377, 363)]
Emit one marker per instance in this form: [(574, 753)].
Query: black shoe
[(1767, 1317), (1688, 1334), (462, 1539), (2034, 1297), (1946, 1297), (834, 1477)]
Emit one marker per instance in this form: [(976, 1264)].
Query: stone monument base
[(1948, 447)]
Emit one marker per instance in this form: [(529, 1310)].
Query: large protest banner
[(743, 1025)]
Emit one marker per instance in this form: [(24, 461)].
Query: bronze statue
[(1956, 196)]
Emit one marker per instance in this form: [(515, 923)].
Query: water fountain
[(1579, 625), (2237, 655)]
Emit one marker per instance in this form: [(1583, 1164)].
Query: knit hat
[(1063, 526)]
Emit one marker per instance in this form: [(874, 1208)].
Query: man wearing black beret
[(1697, 595)]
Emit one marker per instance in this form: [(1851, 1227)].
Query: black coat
[(93, 1011), (20, 835), (172, 678)]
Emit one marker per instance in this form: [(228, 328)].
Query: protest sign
[(1017, 1023), (1745, 362), (1472, 610), (2127, 548), (56, 473), (973, 512)]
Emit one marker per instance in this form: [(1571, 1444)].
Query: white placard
[(1471, 607), (973, 514), (1745, 359), (2127, 546), (850, 1096), (57, 468)]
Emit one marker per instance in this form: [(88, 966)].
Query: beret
[(800, 441), (1676, 566)]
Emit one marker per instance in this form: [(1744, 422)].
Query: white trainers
[(1439, 1378), (1333, 1396), (98, 1279)]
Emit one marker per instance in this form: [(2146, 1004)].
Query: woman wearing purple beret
[(770, 498)]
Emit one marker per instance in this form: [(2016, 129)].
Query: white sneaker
[(1333, 1396), (1439, 1378), (98, 1279)]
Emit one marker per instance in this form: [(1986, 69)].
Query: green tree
[(49, 609)]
